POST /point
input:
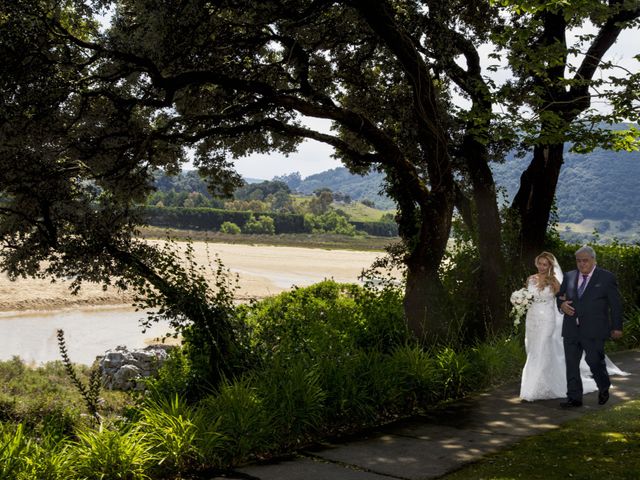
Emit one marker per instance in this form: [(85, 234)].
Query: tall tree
[(233, 77), (75, 162), (558, 94)]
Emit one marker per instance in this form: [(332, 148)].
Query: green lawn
[(601, 445)]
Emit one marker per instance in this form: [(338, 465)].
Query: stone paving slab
[(308, 469), (427, 453)]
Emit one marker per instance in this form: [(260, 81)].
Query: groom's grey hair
[(588, 250)]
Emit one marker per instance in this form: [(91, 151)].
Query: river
[(262, 270), (88, 333)]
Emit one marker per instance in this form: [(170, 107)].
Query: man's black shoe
[(571, 404), (603, 396)]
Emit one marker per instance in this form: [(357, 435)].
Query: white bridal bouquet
[(521, 301)]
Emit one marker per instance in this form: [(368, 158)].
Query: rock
[(124, 369)]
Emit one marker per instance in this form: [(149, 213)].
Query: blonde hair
[(550, 277)]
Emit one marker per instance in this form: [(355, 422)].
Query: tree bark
[(534, 199), (489, 238), (425, 301)]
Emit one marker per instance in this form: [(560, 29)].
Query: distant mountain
[(602, 185), (367, 187)]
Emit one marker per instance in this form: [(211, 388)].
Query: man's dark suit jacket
[(599, 310)]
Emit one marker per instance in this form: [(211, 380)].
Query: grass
[(603, 444), (44, 398), (325, 241), (360, 212)]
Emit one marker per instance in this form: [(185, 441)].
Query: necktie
[(582, 285)]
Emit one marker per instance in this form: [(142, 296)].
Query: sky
[(315, 157)]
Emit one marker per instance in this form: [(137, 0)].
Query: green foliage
[(213, 219), (262, 224), (14, 452), (359, 187), (326, 319), (103, 453), (329, 222), (90, 393), (230, 227), (175, 433), (23, 457), (452, 370), (203, 314), (260, 191), (293, 395), (175, 376), (45, 401), (241, 419), (495, 361)]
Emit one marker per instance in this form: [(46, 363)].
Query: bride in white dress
[(544, 374)]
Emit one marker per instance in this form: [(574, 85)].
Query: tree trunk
[(534, 199), (425, 301), (489, 238)]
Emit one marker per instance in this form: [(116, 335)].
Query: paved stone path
[(431, 446)]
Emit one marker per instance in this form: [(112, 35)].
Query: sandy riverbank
[(262, 271)]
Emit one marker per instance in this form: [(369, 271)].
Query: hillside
[(597, 191), (340, 180), (602, 185)]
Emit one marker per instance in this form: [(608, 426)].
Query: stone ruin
[(124, 369)]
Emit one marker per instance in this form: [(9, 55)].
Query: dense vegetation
[(259, 208), (90, 112), (320, 361)]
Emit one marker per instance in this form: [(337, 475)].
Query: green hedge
[(377, 229), (212, 219)]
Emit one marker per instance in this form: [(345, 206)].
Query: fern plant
[(90, 393)]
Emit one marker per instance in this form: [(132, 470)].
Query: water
[(88, 333)]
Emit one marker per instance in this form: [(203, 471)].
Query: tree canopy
[(89, 114)]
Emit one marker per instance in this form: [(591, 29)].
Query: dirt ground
[(262, 271)]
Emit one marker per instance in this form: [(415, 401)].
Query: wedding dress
[(544, 375)]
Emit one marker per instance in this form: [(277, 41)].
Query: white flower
[(521, 301)]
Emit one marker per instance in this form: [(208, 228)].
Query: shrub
[(329, 222), (294, 398), (230, 227), (173, 433), (263, 224), (240, 418), (320, 320), (103, 453)]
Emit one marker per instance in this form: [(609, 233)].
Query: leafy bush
[(241, 419), (262, 224), (329, 222), (230, 227), (105, 453), (325, 319), (293, 396), (45, 401), (174, 433)]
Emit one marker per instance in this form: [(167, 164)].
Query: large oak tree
[(100, 111)]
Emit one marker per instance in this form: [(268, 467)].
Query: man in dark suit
[(590, 301)]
